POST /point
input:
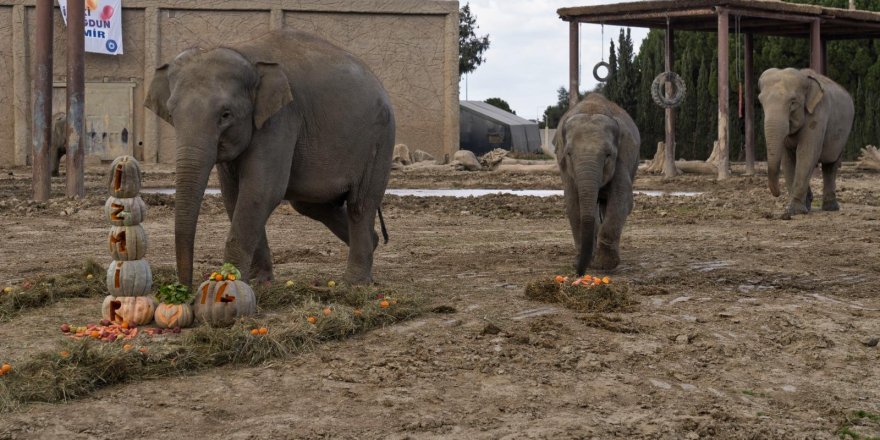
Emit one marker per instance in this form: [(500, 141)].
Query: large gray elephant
[(286, 116), (807, 120), (597, 147), (58, 148)]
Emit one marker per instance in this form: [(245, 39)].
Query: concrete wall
[(411, 45)]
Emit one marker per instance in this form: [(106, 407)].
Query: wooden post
[(816, 46), (75, 98), (723, 94), (573, 63), (42, 136), (669, 169), (749, 97)]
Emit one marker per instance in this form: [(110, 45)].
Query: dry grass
[(90, 365), (602, 298), (49, 290)]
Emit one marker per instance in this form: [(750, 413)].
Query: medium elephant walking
[(807, 120), (286, 116), (597, 147)]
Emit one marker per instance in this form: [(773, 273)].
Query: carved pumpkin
[(127, 243), (131, 309), (125, 177), (129, 278), (220, 303), (125, 212), (174, 315)]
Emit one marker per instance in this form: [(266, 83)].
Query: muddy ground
[(747, 326)]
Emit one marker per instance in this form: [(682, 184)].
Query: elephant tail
[(382, 225)]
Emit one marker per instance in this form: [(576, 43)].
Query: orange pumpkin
[(173, 315), (125, 212), (220, 303), (125, 178), (129, 309), (127, 243), (129, 278)]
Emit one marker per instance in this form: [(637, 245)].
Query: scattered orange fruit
[(218, 277), (95, 334), (124, 325), (559, 279), (64, 354), (263, 330), (312, 320), (126, 347), (606, 280), (255, 332), (6, 368), (327, 311), (143, 350), (384, 304), (230, 277), (357, 312)]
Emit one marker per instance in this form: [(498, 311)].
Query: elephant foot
[(606, 260), (830, 205), (795, 209), (809, 200), (354, 277), (262, 276)]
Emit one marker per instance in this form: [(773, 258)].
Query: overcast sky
[(527, 60)]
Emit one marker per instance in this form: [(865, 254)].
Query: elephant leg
[(788, 161), (261, 266), (829, 186), (573, 211), (362, 242), (332, 216), (807, 157), (619, 205)]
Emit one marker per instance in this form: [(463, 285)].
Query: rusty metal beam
[(75, 98), (42, 119), (749, 98), (816, 46), (573, 63), (723, 95), (669, 169), (624, 17), (768, 15)]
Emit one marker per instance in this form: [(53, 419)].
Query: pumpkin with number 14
[(224, 298)]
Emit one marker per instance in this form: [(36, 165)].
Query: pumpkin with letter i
[(174, 309), (224, 298), (127, 243), (125, 212), (125, 178), (129, 278), (137, 310)]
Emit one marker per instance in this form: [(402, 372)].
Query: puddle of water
[(463, 192)]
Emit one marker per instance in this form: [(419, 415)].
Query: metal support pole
[(749, 92), (669, 169), (723, 95), (816, 46), (42, 123), (75, 98), (573, 63)]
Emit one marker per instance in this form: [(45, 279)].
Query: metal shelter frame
[(756, 17)]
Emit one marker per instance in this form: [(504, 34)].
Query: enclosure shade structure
[(756, 17)]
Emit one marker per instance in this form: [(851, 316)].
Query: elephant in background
[(285, 116), (597, 148), (807, 120), (59, 141)]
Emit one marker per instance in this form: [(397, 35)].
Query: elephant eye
[(225, 116)]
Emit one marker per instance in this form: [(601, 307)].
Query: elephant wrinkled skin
[(807, 121), (597, 147), (286, 116)]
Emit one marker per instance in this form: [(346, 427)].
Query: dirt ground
[(747, 326)]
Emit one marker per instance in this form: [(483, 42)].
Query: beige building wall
[(411, 45)]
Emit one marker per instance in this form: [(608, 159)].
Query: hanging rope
[(739, 68), (658, 87), (602, 63)]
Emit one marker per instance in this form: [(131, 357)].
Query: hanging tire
[(596, 71), (658, 90)]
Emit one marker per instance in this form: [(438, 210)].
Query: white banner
[(103, 22)]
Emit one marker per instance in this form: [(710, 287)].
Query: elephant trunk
[(192, 171), (775, 132), (588, 178)]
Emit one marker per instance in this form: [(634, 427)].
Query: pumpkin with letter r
[(224, 297), (136, 310), (174, 309)]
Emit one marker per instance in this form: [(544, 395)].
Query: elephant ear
[(273, 92), (157, 96), (815, 92)]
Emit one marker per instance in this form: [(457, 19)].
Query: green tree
[(500, 103), (554, 113), (470, 46)]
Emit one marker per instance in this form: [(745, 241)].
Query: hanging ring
[(607, 71), (658, 90)]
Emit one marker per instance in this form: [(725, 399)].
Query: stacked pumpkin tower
[(129, 279)]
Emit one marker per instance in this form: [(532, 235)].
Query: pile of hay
[(76, 368), (601, 298), (49, 290)]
